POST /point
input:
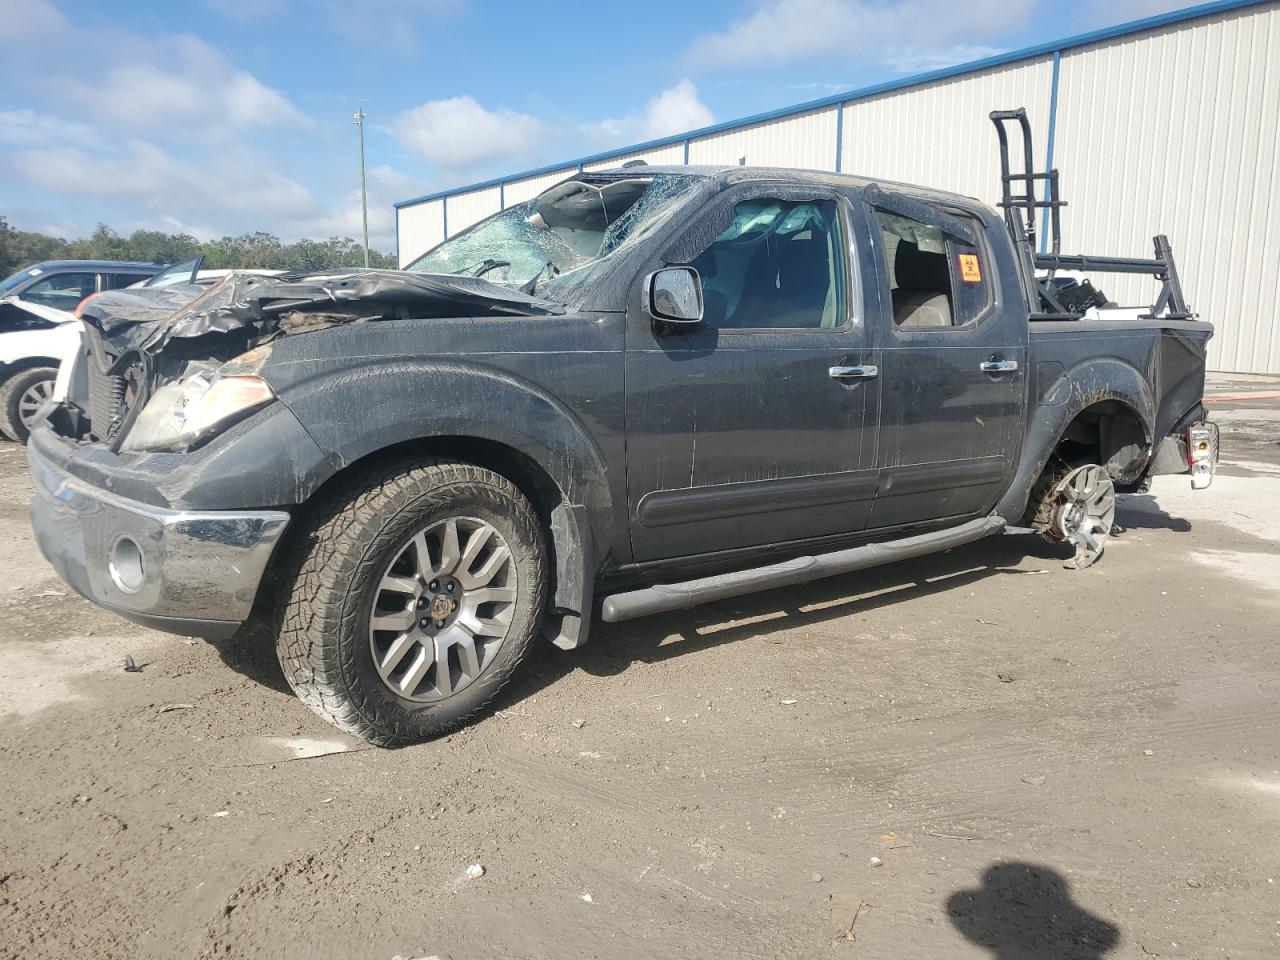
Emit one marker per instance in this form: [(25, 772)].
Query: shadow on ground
[(1024, 911), (1142, 512), (614, 647)]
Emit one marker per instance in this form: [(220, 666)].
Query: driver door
[(758, 426)]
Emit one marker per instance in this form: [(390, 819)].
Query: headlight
[(184, 412)]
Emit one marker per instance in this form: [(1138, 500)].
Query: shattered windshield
[(554, 241)]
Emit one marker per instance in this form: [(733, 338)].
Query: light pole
[(364, 200)]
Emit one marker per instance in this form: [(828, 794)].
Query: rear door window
[(118, 281), (936, 280)]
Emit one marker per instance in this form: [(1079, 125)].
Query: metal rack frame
[(1020, 212)]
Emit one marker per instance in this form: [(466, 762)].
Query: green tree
[(246, 251)]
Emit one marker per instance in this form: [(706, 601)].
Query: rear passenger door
[(954, 358)]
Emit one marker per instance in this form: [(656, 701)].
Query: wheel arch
[(7, 370), (566, 526), (1102, 409)]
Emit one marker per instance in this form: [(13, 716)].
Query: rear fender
[(1060, 399)]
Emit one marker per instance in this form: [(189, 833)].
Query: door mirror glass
[(675, 295)]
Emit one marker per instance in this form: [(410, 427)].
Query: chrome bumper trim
[(193, 566)]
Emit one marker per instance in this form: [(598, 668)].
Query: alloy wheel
[(442, 609)]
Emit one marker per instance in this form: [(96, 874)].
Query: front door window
[(776, 266)]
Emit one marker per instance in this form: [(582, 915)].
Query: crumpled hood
[(147, 318)]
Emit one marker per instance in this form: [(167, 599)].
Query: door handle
[(998, 366), (864, 372)]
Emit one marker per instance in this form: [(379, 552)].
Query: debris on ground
[(844, 914), (1034, 781), (475, 871), (586, 898), (579, 724), (130, 666), (815, 877), (170, 707), (875, 861), (1005, 677)]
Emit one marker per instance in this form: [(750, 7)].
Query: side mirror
[(674, 295)]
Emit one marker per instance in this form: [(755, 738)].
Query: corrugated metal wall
[(419, 227), (939, 135), (671, 153), (518, 191), (807, 140), (1174, 129)]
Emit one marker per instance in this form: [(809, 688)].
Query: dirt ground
[(977, 754)]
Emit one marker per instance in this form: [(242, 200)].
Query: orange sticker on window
[(970, 272)]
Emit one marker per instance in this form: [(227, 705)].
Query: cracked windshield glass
[(556, 240)]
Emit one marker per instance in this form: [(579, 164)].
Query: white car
[(34, 340)]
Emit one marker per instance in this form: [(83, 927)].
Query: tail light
[(1202, 453)]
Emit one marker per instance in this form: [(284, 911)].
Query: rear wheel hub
[(1084, 510)]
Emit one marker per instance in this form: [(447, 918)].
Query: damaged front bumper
[(186, 572)]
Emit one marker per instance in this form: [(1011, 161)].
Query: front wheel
[(413, 596)]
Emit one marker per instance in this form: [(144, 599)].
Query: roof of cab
[(734, 173)]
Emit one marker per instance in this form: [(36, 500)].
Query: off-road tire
[(11, 392), (334, 566)]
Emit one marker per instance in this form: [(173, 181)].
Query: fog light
[(125, 565)]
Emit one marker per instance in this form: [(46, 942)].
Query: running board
[(691, 593)]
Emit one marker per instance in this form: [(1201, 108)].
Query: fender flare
[(1058, 403), (361, 409)]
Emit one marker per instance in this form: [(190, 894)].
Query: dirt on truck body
[(642, 390)]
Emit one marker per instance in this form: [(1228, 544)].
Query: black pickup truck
[(646, 388)]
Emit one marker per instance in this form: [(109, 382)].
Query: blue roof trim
[(973, 66)]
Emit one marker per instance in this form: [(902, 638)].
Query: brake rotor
[(1083, 505)]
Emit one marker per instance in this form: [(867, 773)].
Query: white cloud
[(783, 31), (26, 128), (462, 138), (675, 110), (187, 88), (672, 111), (459, 134), (234, 184)]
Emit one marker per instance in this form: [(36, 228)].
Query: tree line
[(20, 248)]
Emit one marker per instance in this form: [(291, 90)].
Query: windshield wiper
[(532, 285), (484, 266)]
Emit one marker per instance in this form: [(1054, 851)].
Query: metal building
[(1165, 125)]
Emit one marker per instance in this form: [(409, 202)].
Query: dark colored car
[(644, 389), (64, 283)]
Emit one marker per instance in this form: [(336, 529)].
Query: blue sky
[(224, 116)]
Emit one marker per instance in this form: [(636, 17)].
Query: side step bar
[(691, 593)]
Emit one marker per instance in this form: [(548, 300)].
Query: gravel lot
[(977, 754)]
